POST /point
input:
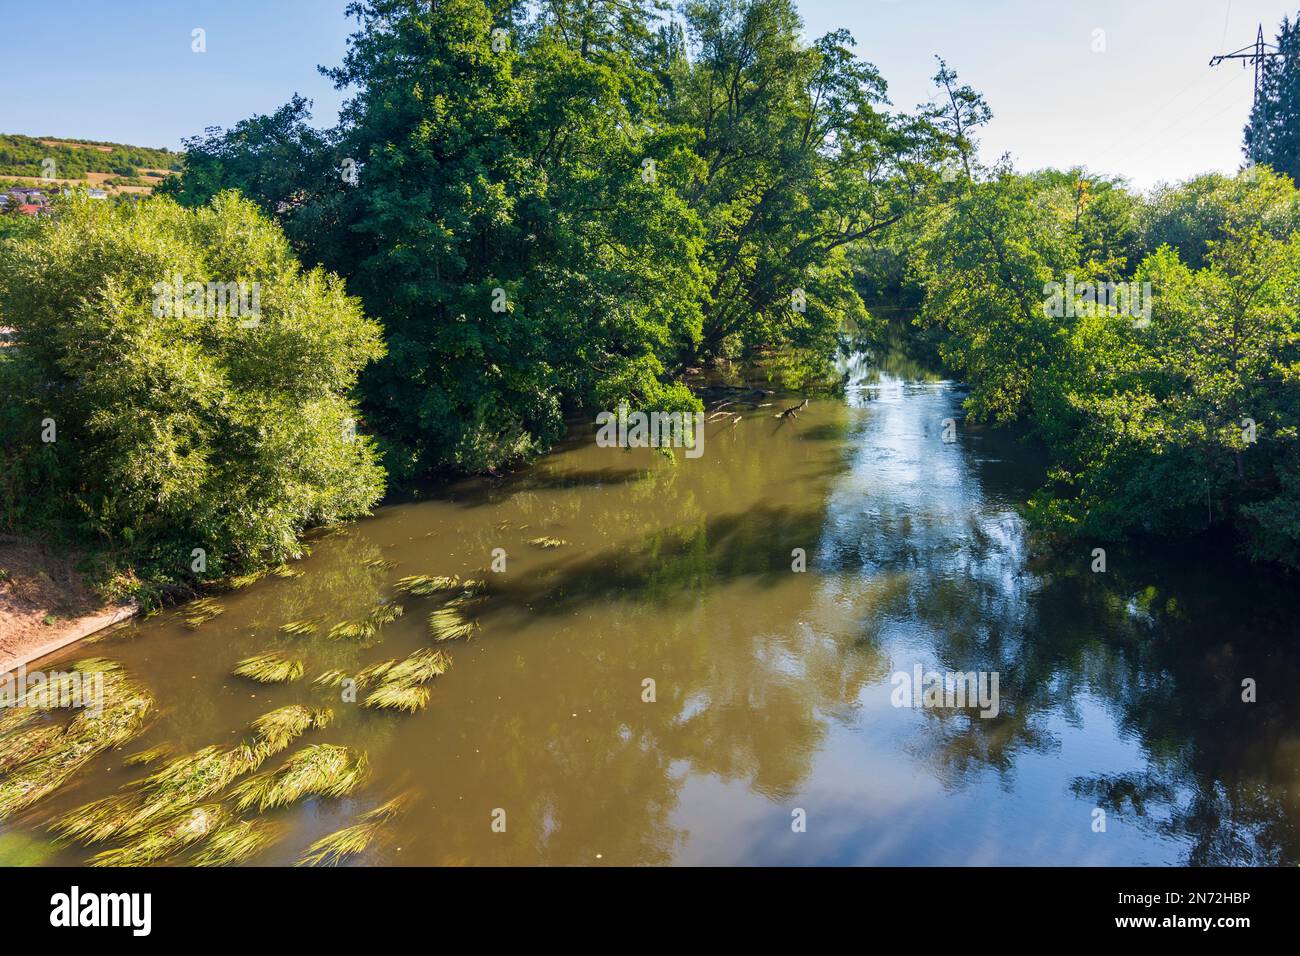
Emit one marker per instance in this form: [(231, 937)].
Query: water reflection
[(771, 687)]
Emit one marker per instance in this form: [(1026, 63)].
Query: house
[(96, 194), (27, 209)]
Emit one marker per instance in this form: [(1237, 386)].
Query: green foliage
[(1165, 423), (795, 162), (1272, 136), (178, 428), (557, 210)]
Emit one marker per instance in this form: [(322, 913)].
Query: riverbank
[(45, 603)]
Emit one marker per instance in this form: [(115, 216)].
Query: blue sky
[(1149, 107)]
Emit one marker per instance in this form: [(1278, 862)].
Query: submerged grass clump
[(236, 842), (187, 780), (269, 668), (202, 611), (333, 849), (368, 626), (397, 684), (424, 585), (274, 731), (38, 762), (323, 770), (162, 840), (451, 621), (308, 625), (401, 685), (547, 542), (142, 758)]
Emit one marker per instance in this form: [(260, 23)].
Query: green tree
[(149, 425), (798, 162), (1273, 134)]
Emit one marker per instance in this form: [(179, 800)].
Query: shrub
[(178, 428)]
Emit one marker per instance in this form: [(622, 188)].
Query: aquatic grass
[(201, 611), (142, 758), (380, 564), (401, 684), (269, 668), (368, 626), (286, 571), (324, 770), (16, 717), (422, 665), (384, 613), (373, 672), (18, 748), (303, 627), (424, 585), (408, 698), (352, 840), (450, 622), (548, 542), (236, 842), (167, 838), (188, 779), (42, 762), (274, 731), (180, 783)]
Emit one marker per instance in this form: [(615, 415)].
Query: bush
[(178, 428)]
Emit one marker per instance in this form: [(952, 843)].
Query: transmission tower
[(1253, 54)]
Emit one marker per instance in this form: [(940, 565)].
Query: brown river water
[(773, 736)]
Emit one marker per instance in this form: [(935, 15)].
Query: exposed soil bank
[(45, 604)]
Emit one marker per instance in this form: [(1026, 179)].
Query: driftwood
[(793, 411)]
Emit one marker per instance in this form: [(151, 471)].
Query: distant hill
[(117, 167)]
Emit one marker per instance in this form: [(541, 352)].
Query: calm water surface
[(1118, 691)]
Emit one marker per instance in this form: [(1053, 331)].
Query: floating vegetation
[(401, 685), (39, 762), (269, 668), (274, 731), (424, 585), (308, 625), (142, 758), (368, 626), (236, 842), (286, 571), (545, 542), (372, 672), (188, 780), (450, 622), (324, 770), (398, 697), (19, 748), (201, 611), (332, 678), (398, 684), (381, 564), (331, 850), (177, 832)]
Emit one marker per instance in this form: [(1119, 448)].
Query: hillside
[(117, 167)]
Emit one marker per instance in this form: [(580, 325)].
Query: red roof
[(27, 209)]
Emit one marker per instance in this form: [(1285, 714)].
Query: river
[(663, 687)]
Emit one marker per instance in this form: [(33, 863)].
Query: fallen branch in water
[(793, 411)]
